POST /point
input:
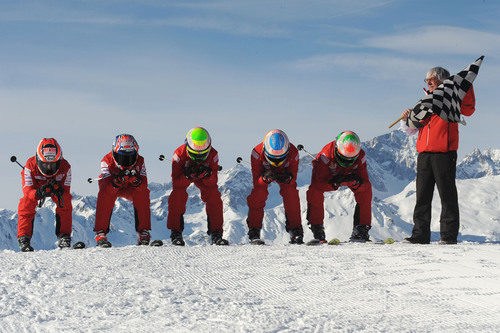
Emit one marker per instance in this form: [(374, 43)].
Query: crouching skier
[(123, 174), (342, 162), (275, 159), (195, 162), (45, 175)]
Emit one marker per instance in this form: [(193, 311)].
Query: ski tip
[(156, 242), (79, 245), (334, 241), (388, 241)]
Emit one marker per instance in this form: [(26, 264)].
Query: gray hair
[(438, 72)]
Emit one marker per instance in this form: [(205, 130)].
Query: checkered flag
[(446, 99)]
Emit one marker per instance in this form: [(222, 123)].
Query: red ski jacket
[(181, 160), (109, 168), (33, 179), (438, 135), (259, 164)]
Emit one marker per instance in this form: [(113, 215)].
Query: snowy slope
[(281, 288), (391, 161)]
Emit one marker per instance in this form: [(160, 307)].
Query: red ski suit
[(257, 199), (210, 194), (324, 168), (139, 195), (32, 180)]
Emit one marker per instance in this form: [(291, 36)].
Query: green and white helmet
[(198, 144)]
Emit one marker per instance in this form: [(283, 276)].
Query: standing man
[(45, 175), (342, 162), (195, 162), (437, 146), (275, 159), (123, 174)]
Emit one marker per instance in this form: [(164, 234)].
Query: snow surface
[(245, 288)]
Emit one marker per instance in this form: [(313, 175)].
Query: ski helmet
[(347, 148), (48, 156), (276, 145), (125, 150), (198, 144)]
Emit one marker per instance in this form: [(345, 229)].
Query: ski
[(257, 241), (156, 242), (314, 242), (78, 245), (336, 241)]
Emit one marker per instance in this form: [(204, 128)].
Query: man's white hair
[(438, 72)]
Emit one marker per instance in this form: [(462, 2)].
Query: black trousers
[(436, 169)]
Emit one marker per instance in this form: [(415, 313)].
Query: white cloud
[(367, 65), (439, 40)]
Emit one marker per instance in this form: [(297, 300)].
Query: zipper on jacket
[(428, 133)]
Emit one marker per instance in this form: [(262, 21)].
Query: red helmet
[(125, 150), (48, 156)]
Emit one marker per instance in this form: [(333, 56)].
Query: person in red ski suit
[(47, 174), (275, 159), (196, 161), (437, 146), (123, 174), (332, 169)]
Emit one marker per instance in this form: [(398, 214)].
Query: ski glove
[(44, 191), (284, 177), (268, 176)]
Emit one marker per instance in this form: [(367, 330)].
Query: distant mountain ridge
[(391, 162)]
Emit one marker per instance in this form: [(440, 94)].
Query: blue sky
[(84, 71)]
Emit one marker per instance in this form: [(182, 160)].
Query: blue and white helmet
[(276, 146)]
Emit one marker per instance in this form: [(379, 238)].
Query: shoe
[(176, 237), (415, 240), (64, 241), (296, 236), (318, 232), (102, 240), (360, 233), (217, 238), (24, 244), (253, 234), (446, 241), (143, 237)]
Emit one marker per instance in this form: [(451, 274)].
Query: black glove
[(284, 177), (57, 190), (268, 176), (197, 171), (44, 191), (119, 180)]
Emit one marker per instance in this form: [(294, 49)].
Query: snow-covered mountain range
[(391, 164)]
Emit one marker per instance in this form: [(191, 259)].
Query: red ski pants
[(210, 195), (257, 201), (27, 210), (316, 212), (106, 201)]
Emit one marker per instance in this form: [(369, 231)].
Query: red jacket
[(325, 166), (259, 164), (34, 179), (182, 160), (439, 135), (109, 168)]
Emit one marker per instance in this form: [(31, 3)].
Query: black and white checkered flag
[(446, 99)]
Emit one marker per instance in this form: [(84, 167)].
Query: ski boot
[(318, 232), (217, 238), (360, 233), (296, 236), (24, 244), (102, 240), (64, 241), (176, 237), (143, 237), (254, 236)]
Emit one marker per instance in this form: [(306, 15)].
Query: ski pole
[(239, 160), (14, 159), (301, 147), (90, 180)]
